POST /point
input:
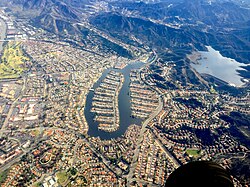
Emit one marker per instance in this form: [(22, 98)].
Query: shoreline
[(195, 57), (212, 63)]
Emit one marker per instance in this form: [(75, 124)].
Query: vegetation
[(35, 133), (239, 126), (38, 184), (212, 90), (62, 177), (73, 171), (12, 61), (3, 176), (193, 152), (190, 102), (241, 169)]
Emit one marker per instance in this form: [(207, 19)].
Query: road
[(3, 29), (168, 154), (102, 158), (143, 129), (140, 139), (106, 162), (13, 105)]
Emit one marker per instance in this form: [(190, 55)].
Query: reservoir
[(124, 105), (213, 63)]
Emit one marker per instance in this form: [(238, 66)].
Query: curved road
[(143, 129)]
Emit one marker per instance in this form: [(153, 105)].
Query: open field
[(193, 152), (12, 61), (62, 177)]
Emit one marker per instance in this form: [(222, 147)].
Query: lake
[(213, 63), (124, 105)]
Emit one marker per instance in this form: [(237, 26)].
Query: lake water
[(213, 63), (124, 106)]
